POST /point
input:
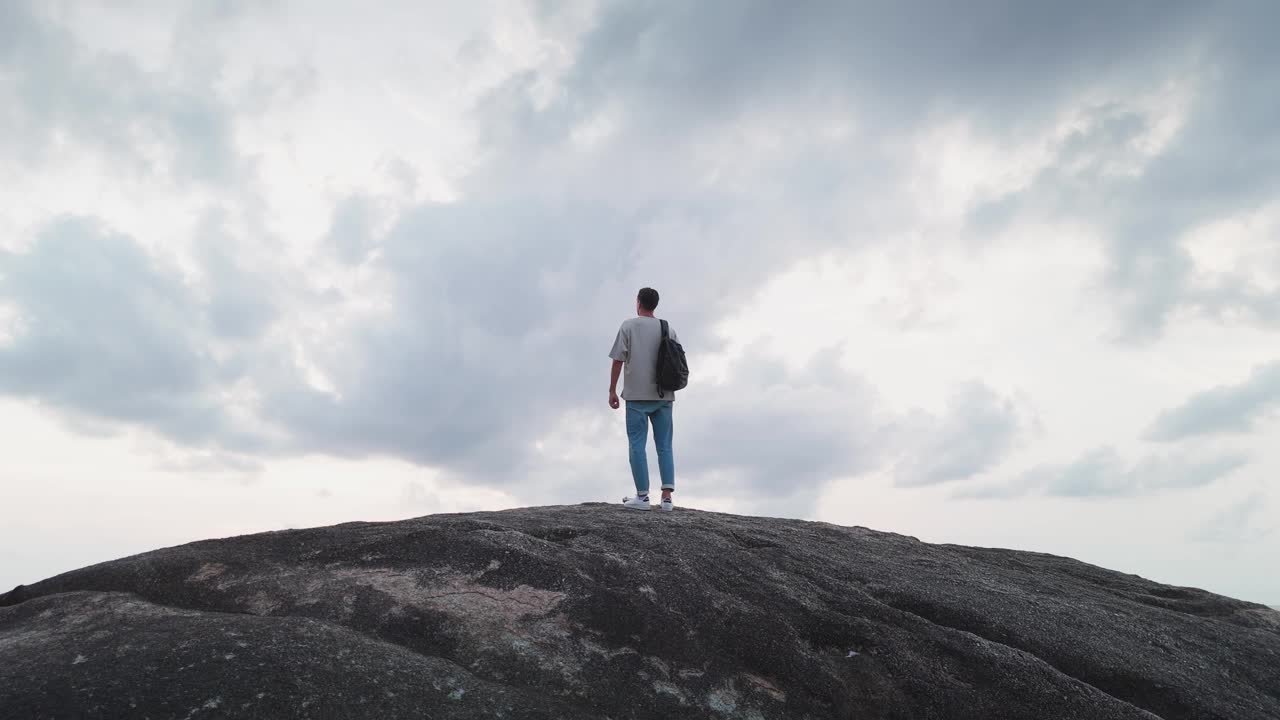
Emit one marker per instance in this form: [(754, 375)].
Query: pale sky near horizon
[(985, 273)]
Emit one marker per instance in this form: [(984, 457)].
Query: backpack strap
[(661, 346)]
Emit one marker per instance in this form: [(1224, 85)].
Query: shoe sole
[(637, 509)]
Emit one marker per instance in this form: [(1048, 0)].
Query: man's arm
[(620, 352), (614, 372)]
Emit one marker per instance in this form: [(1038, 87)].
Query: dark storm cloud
[(1237, 408)]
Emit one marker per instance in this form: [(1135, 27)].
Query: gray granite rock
[(593, 611)]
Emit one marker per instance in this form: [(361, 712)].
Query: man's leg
[(638, 439), (662, 431)]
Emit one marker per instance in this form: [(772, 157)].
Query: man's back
[(637, 345)]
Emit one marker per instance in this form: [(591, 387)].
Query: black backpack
[(673, 369)]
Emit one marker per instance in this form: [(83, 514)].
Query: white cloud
[(1238, 408), (978, 431), (1244, 521), (1103, 473)]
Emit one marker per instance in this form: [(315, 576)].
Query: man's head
[(647, 301)]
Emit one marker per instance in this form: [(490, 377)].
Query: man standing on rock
[(636, 350)]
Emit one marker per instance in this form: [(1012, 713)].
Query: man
[(636, 350)]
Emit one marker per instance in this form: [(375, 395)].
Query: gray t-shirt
[(637, 346)]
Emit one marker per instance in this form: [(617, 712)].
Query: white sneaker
[(635, 503), (668, 505)]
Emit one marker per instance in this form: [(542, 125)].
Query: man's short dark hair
[(648, 298)]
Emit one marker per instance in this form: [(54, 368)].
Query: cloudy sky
[(989, 273)]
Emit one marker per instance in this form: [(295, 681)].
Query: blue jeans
[(639, 415)]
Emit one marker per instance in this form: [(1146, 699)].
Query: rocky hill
[(595, 612)]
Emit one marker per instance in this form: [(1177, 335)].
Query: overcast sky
[(985, 272)]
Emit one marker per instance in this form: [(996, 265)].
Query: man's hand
[(614, 372)]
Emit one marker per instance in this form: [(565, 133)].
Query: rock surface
[(592, 611)]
